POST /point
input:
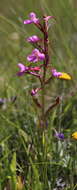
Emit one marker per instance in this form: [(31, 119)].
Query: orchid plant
[(41, 54)]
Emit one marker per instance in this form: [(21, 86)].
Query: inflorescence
[(41, 54)]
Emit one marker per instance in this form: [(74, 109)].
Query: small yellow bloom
[(20, 183), (74, 135), (65, 76)]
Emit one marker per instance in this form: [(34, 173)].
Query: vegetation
[(31, 158)]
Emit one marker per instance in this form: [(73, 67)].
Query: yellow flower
[(20, 183), (74, 135), (65, 76)]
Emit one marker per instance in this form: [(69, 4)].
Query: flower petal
[(33, 39), (55, 73), (59, 135), (32, 16), (23, 69), (65, 76), (32, 58), (48, 17), (36, 56), (28, 21), (74, 135)]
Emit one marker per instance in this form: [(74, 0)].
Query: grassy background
[(42, 167)]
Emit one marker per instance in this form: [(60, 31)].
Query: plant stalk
[(46, 62)]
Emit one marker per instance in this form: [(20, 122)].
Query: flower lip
[(36, 56), (28, 21), (33, 39), (33, 19), (23, 69)]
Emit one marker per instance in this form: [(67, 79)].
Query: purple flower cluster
[(36, 55), (40, 53), (59, 135)]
